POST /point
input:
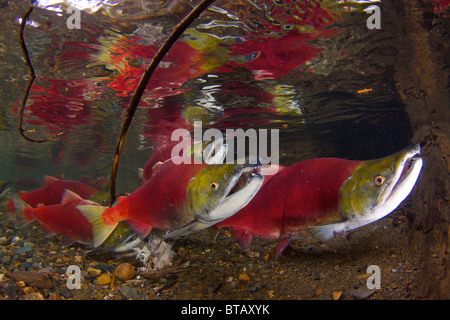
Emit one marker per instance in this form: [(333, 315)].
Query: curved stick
[(176, 33), (30, 82)]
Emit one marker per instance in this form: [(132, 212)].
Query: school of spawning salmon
[(322, 198)]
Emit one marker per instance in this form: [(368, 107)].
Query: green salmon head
[(122, 239), (377, 187), (219, 191)]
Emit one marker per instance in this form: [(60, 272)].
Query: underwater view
[(224, 150)]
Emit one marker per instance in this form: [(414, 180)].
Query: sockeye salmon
[(163, 201), (66, 220), (52, 192), (325, 197)]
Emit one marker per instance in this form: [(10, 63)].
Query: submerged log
[(421, 78)]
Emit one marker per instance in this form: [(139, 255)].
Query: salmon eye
[(119, 235), (214, 186), (379, 180)]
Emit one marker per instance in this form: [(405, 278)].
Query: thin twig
[(30, 82), (177, 32)]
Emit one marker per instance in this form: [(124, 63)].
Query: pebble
[(244, 277), (336, 295), (124, 271), (22, 250), (32, 278), (34, 296), (104, 279), (319, 291), (128, 292), (362, 293), (94, 271)]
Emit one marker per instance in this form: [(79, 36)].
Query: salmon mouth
[(241, 189), (408, 170), (405, 177), (245, 177)]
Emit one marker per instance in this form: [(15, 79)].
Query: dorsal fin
[(48, 180), (69, 196)]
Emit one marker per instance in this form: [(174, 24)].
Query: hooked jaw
[(402, 184), (240, 191)]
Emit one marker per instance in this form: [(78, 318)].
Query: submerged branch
[(30, 81), (177, 32)]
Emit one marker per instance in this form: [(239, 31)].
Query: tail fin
[(23, 213), (100, 230)]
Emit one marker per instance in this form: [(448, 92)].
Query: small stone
[(125, 271), (336, 295), (362, 293), (11, 291), (66, 293), (253, 254), (129, 292), (28, 244), (94, 271), (104, 279), (22, 250), (319, 291), (28, 290), (32, 279), (244, 277), (34, 296), (47, 270), (16, 239), (53, 296)]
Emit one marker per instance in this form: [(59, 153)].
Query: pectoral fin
[(327, 231)]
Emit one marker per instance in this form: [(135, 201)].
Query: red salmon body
[(162, 153), (52, 192), (63, 219), (160, 202), (299, 195)]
